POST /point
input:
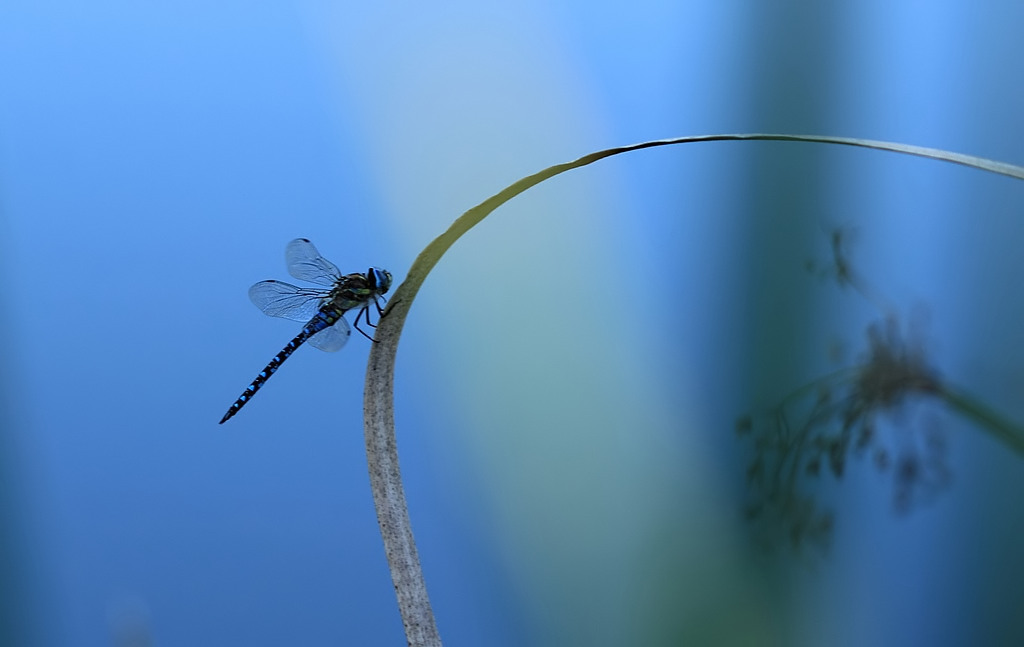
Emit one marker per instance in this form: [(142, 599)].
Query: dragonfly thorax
[(355, 290)]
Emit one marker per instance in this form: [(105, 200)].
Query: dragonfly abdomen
[(326, 318)]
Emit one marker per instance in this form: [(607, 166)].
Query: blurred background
[(570, 375)]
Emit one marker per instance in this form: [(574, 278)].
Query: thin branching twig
[(378, 409)]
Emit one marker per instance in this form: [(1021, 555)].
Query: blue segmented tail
[(323, 319)]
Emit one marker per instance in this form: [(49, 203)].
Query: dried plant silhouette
[(378, 402), (860, 411)]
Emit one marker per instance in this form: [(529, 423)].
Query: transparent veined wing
[(332, 338), (280, 299), (305, 263)]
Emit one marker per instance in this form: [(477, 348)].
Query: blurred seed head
[(857, 413)]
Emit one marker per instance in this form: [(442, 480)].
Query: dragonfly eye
[(380, 279)]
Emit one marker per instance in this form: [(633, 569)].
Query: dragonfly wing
[(305, 263), (332, 338), (279, 299)]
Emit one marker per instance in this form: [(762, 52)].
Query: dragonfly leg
[(384, 311), (380, 312), (364, 313)]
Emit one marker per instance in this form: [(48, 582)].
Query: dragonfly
[(322, 310)]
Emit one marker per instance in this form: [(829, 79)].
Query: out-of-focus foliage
[(856, 412)]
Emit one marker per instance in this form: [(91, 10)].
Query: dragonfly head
[(380, 280)]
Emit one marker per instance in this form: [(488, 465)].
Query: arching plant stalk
[(378, 401)]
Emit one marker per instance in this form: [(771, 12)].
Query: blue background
[(569, 376)]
